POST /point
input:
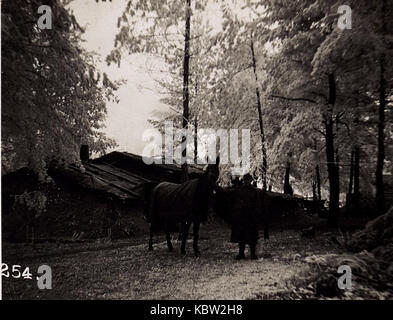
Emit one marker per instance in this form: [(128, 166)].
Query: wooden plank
[(115, 185), (106, 182), (119, 170), (108, 176)]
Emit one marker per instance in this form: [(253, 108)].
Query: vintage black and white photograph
[(196, 150)]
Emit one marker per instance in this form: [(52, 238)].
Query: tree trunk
[(317, 173), (286, 179), (287, 185), (260, 119), (349, 199), (196, 127), (380, 197), (333, 175), (186, 97), (314, 191), (354, 197), (350, 187), (315, 201), (356, 179), (318, 182), (196, 139)]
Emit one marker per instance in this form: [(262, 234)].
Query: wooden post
[(84, 152)]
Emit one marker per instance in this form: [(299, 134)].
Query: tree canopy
[(53, 98)]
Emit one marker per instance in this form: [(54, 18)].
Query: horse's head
[(212, 173)]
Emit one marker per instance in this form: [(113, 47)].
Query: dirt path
[(132, 272)]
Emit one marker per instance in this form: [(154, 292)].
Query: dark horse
[(187, 203)]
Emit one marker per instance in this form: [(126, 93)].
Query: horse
[(170, 204)]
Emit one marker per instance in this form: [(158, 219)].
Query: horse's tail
[(148, 200)]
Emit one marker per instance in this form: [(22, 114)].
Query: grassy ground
[(127, 270)]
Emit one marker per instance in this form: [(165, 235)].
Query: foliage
[(53, 99), (33, 201), (308, 45), (296, 46), (156, 28)]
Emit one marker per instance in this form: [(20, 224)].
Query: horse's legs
[(196, 237), (184, 233), (168, 241), (151, 238)]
